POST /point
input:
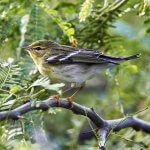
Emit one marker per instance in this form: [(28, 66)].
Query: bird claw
[(70, 99), (57, 97)]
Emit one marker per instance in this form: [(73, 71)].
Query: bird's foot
[(57, 97), (70, 99)]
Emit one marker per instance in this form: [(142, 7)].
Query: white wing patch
[(68, 56), (51, 58)]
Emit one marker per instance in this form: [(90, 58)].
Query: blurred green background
[(117, 28)]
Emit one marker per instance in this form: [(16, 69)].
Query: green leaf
[(132, 68), (70, 32), (85, 10), (45, 82)]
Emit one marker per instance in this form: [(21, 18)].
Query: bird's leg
[(57, 97), (77, 91), (66, 91), (70, 99)]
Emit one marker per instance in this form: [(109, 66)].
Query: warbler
[(69, 64)]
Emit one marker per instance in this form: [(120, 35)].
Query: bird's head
[(40, 48)]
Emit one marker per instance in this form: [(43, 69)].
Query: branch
[(133, 122), (104, 126)]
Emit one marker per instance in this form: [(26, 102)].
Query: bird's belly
[(73, 73)]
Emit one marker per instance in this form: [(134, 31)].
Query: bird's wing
[(85, 56)]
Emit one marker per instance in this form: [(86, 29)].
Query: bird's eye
[(38, 48)]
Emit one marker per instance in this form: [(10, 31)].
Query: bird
[(68, 64)]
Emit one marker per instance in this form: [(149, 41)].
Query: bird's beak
[(27, 48)]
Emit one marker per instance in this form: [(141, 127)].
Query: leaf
[(147, 21), (70, 32), (132, 68), (14, 132), (64, 25), (45, 82), (8, 74), (148, 31), (85, 10), (15, 88)]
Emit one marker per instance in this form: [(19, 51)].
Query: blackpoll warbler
[(63, 63)]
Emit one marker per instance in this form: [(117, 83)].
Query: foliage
[(119, 27), (85, 10)]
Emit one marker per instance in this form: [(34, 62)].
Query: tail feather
[(129, 57), (118, 60)]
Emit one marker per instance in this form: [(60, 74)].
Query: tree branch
[(104, 126)]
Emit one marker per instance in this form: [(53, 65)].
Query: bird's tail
[(129, 57), (118, 60)]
